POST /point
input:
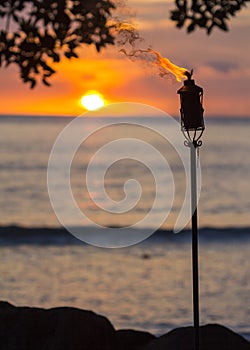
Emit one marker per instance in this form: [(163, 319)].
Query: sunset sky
[(221, 64)]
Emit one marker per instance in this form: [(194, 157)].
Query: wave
[(17, 235)]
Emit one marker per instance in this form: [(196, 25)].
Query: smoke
[(132, 44)]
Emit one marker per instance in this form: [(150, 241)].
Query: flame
[(128, 37), (179, 72), (124, 26)]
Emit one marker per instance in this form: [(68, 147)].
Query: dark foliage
[(205, 13), (37, 33)]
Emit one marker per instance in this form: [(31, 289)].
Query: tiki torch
[(192, 126)]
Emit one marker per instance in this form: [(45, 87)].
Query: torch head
[(191, 98), (189, 74)]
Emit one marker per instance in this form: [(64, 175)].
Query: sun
[(92, 101)]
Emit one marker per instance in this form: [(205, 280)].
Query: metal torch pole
[(193, 156)]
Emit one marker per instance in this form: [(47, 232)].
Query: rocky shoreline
[(68, 328)]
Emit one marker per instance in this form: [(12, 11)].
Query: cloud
[(222, 66)]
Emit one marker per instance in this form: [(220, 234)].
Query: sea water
[(26, 144), (146, 286)]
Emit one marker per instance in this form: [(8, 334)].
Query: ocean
[(143, 286)]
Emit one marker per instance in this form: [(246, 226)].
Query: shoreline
[(68, 327)]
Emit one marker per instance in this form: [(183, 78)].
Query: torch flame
[(179, 72), (128, 35)]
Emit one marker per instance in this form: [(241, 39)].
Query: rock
[(67, 328), (212, 337), (128, 339), (24, 328)]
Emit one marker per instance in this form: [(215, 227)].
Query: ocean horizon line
[(210, 117), (13, 234)]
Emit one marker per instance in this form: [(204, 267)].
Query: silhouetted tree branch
[(205, 13), (38, 32)]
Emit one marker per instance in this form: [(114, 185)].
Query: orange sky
[(221, 64)]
